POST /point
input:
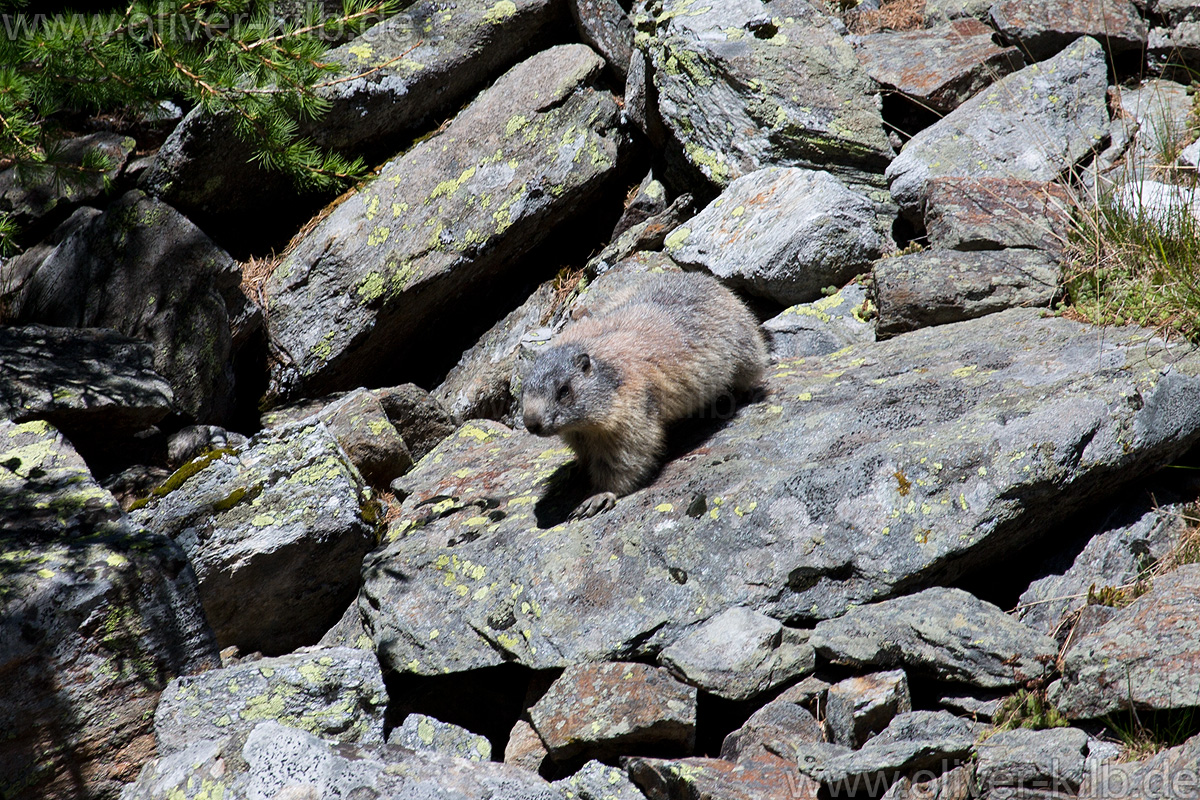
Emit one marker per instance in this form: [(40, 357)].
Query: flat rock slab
[(944, 633), (688, 778), (995, 213), (1169, 775), (276, 532), (456, 210), (1050, 760), (1034, 124), (336, 693), (885, 466), (603, 710), (1148, 656), (740, 654), (420, 732), (79, 378), (1043, 27), (782, 233), (96, 615), (748, 84), (275, 761), (143, 269), (822, 326), (936, 287), (940, 68)]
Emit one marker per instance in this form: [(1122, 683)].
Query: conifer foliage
[(245, 58)]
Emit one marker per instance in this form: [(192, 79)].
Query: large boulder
[(1031, 125), (888, 466), (747, 84), (97, 615), (143, 269), (276, 532), (458, 210)]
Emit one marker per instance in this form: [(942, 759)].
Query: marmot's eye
[(564, 392)]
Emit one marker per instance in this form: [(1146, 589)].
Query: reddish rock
[(715, 779), (525, 748), (939, 68), (601, 710), (862, 706), (994, 213), (777, 722), (1043, 27)]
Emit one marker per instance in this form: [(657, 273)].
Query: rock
[(783, 234), (1034, 124), (596, 781), (810, 693), (956, 784), (133, 483), (995, 213), (605, 26), (1133, 536), (96, 615), (456, 210), (1161, 111), (649, 200), (348, 632), (276, 533), (703, 778), (1173, 51), (863, 489), (936, 287), (1167, 775), (979, 706), (15, 272), (939, 11), (1049, 760), (860, 707), (486, 381), (822, 326), (643, 240), (43, 196), (420, 732), (1043, 27), (745, 85), (405, 74), (193, 441), (779, 721), (525, 748), (419, 417), (80, 380), (939, 68), (334, 693), (603, 710), (275, 761), (368, 437), (1146, 657), (740, 654), (143, 269), (944, 633)]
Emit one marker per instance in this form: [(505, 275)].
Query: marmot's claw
[(596, 504)]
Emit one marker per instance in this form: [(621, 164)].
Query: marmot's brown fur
[(611, 382)]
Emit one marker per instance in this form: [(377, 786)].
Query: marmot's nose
[(533, 425)]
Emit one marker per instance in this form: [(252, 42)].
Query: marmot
[(611, 382)]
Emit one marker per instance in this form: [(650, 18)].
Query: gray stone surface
[(457, 210), (938, 11), (782, 233), (893, 464), (1047, 760), (605, 26), (995, 213), (335, 693), (762, 779), (740, 654), (276, 532), (936, 287), (421, 419), (80, 378), (282, 763), (857, 708), (1041, 28), (944, 633), (421, 732), (1034, 124), (940, 68), (822, 326), (361, 426), (142, 269), (604, 710), (1168, 775), (1146, 657), (96, 615), (955, 784), (596, 781), (745, 84), (768, 728)]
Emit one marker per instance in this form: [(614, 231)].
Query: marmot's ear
[(583, 362)]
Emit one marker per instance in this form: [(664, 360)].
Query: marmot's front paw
[(596, 504)]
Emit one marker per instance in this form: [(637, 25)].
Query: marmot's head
[(567, 388)]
